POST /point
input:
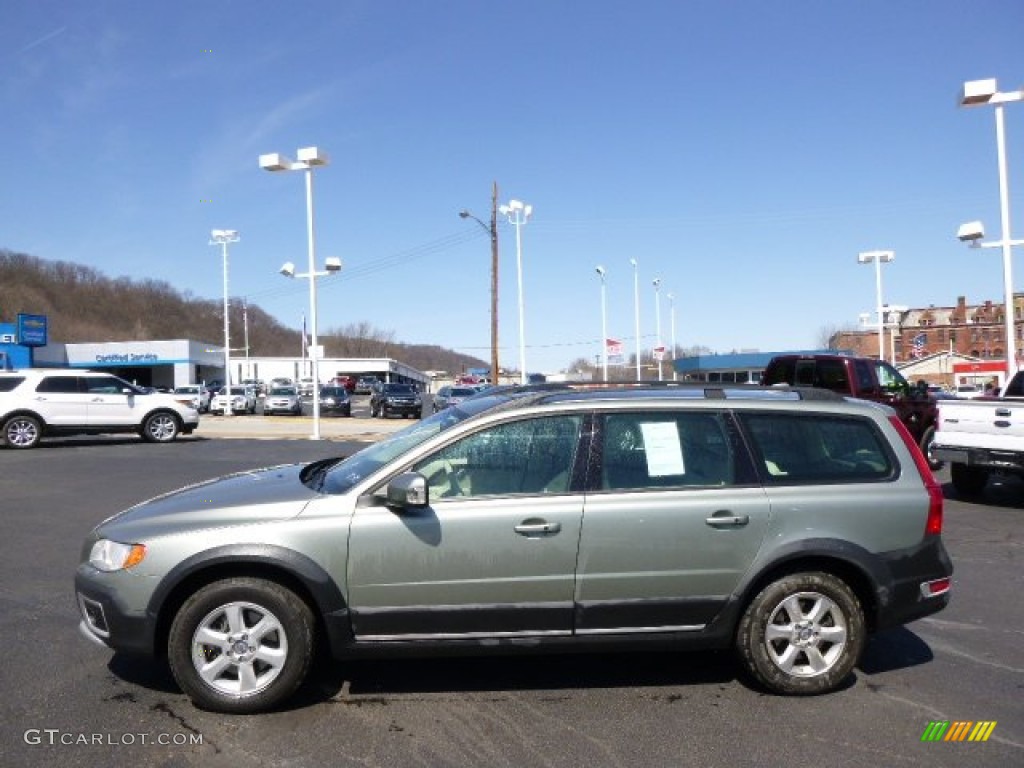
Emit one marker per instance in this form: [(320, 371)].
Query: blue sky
[(743, 152)]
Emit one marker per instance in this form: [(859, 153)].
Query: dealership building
[(176, 362)]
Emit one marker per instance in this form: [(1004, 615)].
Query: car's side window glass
[(533, 456), (103, 385), (818, 448), (865, 381), (659, 450), (891, 379), (59, 384)]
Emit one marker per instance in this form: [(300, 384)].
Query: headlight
[(109, 555)]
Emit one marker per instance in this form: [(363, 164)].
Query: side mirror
[(408, 490)]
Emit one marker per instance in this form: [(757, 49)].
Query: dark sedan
[(335, 399)]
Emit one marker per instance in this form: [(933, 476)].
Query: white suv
[(36, 403)]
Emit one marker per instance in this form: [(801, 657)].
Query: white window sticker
[(664, 454)]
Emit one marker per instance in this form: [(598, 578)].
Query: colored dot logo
[(206, 201)]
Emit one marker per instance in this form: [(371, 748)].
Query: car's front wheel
[(160, 427), (241, 645), (802, 634), (22, 431)]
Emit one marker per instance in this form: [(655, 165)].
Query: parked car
[(243, 400), (256, 384), (786, 524), (39, 403), (348, 382), (194, 395), (970, 391), (365, 385), (446, 397), (982, 437), (336, 400), (865, 378), (282, 400), (306, 386), (388, 398)]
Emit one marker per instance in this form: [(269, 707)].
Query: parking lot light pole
[(977, 93), (672, 322), (604, 323), (878, 257), (492, 232), (222, 237), (636, 313), (332, 267), (518, 213), (308, 159)]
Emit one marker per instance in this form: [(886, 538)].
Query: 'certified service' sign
[(32, 330)]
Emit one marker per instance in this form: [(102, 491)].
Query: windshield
[(399, 389), (187, 391), (341, 477), (282, 392)]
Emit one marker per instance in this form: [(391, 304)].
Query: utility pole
[(492, 232), (494, 283)]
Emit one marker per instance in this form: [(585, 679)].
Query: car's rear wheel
[(967, 480), (927, 439), (160, 427), (241, 645), (802, 634), (22, 431)]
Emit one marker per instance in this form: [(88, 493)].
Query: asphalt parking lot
[(67, 702)]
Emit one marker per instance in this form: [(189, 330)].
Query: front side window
[(659, 450), (891, 379), (818, 448), (105, 385), (532, 456)]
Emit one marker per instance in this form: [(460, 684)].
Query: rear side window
[(662, 450), (59, 384), (8, 383), (798, 448)]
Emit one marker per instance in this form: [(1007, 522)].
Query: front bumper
[(105, 619)]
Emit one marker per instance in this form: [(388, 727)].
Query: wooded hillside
[(84, 305)]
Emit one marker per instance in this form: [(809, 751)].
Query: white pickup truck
[(982, 436)]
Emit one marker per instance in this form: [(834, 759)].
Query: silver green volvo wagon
[(787, 524)]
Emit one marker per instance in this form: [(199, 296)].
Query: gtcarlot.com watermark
[(52, 737)]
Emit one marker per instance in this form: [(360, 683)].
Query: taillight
[(935, 500)]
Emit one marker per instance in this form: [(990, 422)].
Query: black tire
[(22, 431), (802, 635), (160, 427), (967, 480), (926, 448), (230, 608)]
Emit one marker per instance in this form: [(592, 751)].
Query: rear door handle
[(725, 520), (534, 527)]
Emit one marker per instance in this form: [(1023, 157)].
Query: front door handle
[(533, 527), (725, 520)]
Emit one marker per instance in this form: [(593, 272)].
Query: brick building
[(976, 331)]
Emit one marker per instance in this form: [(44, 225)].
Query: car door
[(109, 405), (673, 519), (494, 552), (62, 401)]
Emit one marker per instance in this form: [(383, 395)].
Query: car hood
[(245, 498)]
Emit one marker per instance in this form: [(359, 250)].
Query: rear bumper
[(980, 457), (904, 598)]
